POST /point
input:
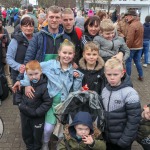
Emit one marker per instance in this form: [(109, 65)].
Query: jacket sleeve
[(77, 83), (61, 145), (99, 145), (32, 49), (130, 36), (18, 96), (46, 105), (124, 49), (25, 81), (133, 110)]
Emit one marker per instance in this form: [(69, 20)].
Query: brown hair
[(27, 20), (106, 25), (33, 65), (54, 9), (91, 45), (101, 15), (91, 22)]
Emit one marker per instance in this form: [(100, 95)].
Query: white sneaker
[(145, 65)]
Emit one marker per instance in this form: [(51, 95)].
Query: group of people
[(60, 58)]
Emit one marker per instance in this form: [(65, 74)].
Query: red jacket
[(4, 13)]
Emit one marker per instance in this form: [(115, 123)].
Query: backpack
[(87, 101), (79, 32)]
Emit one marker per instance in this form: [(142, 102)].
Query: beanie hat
[(90, 13)]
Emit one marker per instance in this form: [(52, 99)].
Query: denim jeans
[(146, 44), (136, 56)]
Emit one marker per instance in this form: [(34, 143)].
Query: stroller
[(87, 101)]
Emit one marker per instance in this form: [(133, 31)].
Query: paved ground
[(12, 139)]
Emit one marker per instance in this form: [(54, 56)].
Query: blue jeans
[(146, 44), (136, 56)]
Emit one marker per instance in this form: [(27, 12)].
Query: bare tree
[(10, 3)]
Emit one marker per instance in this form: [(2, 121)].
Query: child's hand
[(119, 56), (22, 68), (29, 91), (76, 74), (16, 87), (88, 139), (146, 113)]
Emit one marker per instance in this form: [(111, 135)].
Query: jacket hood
[(60, 31), (125, 82), (81, 118), (100, 64)]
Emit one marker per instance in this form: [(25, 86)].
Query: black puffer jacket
[(122, 113), (40, 104), (95, 79)]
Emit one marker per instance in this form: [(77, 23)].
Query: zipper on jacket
[(109, 101)]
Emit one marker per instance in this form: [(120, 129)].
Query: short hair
[(66, 42), (54, 9), (91, 22), (91, 46), (106, 25), (26, 20), (147, 19), (114, 63), (30, 8), (42, 15), (67, 11), (33, 65)]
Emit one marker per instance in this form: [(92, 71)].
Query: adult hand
[(16, 87), (22, 68), (119, 56), (146, 113), (29, 91)]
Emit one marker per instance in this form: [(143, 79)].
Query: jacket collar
[(99, 66)]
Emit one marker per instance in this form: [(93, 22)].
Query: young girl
[(91, 65), (61, 79)]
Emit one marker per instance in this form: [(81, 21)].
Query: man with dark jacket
[(134, 40), (75, 33)]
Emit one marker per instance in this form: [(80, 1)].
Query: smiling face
[(91, 57), (113, 76), (108, 35), (27, 29), (93, 29), (66, 55)]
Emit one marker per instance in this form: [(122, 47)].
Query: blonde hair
[(114, 63), (33, 65), (54, 9), (106, 25), (91, 46), (67, 11)]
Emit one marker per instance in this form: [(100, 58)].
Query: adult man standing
[(75, 33), (30, 13), (134, 40)]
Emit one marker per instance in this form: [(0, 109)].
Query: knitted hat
[(90, 13)]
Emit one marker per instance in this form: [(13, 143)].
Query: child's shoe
[(45, 146)]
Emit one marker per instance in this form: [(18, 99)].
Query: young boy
[(122, 107), (32, 111), (81, 135), (110, 43)]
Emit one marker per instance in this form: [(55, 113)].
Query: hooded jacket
[(36, 46), (146, 31), (110, 48), (122, 113), (40, 104), (73, 142), (95, 79)]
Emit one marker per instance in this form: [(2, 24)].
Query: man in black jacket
[(33, 110)]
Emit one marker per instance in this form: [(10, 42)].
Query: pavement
[(12, 139)]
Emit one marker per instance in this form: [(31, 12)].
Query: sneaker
[(145, 65), (140, 78)]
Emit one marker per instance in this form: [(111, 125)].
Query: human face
[(68, 22), (66, 55), (114, 76), (91, 57), (108, 35), (34, 74), (53, 20), (82, 130), (40, 20), (27, 29), (93, 30)]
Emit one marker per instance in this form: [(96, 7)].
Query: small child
[(82, 135), (32, 111), (122, 107), (144, 130), (110, 43), (92, 66)]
